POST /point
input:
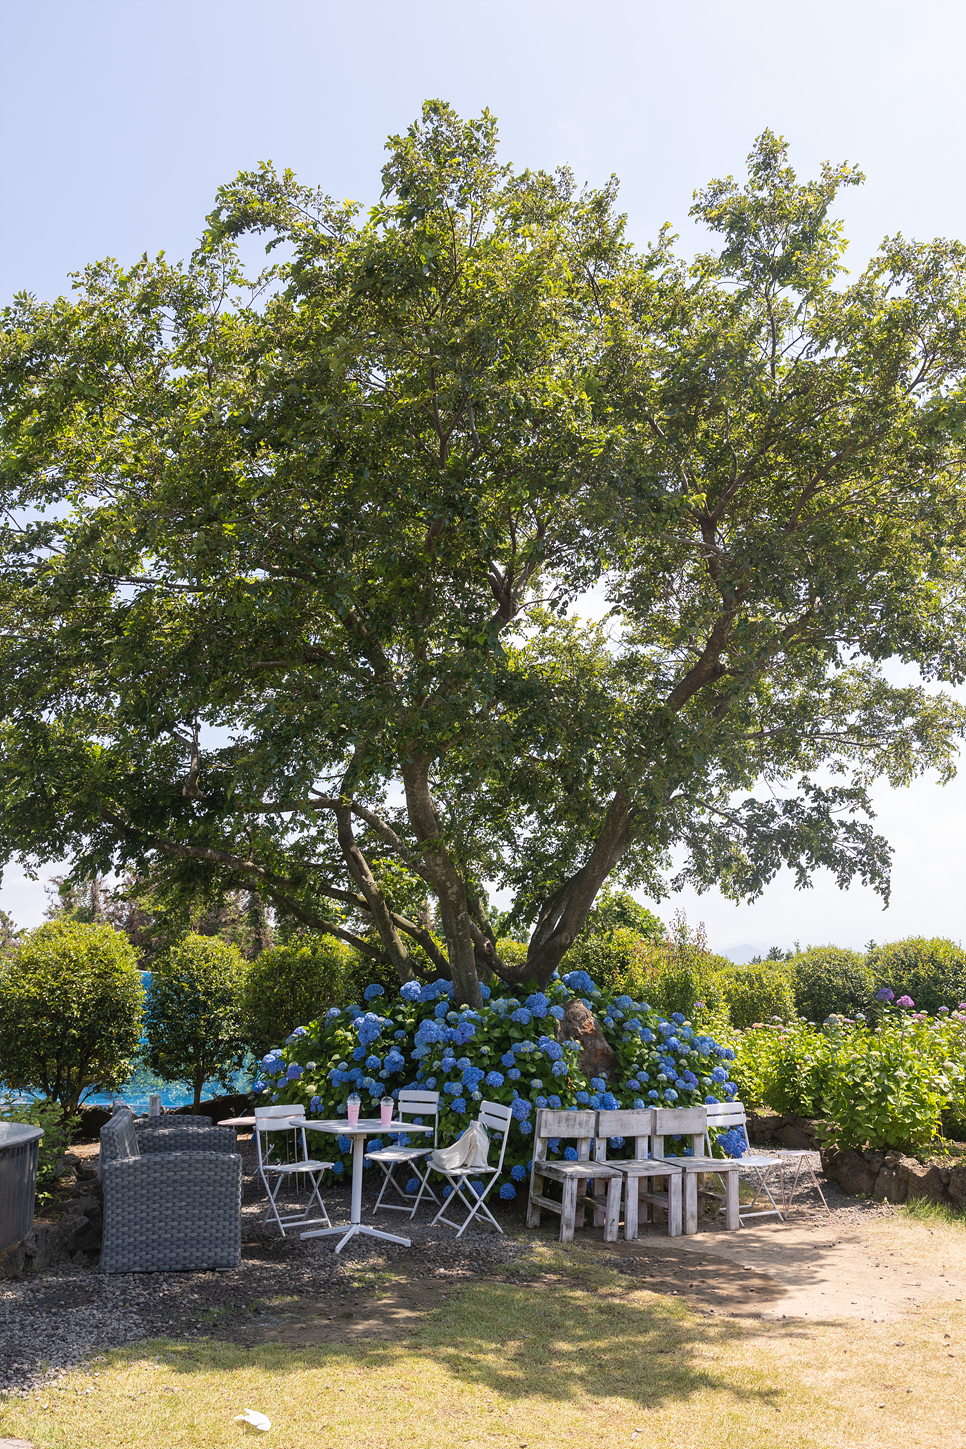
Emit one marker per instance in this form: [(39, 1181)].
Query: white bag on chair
[(470, 1149)]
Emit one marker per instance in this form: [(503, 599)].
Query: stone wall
[(894, 1177)]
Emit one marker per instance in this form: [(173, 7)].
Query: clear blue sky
[(119, 118)]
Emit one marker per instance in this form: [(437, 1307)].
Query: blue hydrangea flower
[(609, 1102), (520, 1108), (514, 1074), (570, 1153), (522, 1016), (338, 1168), (293, 1073), (508, 1059), (344, 1143), (554, 1103), (508, 1191), (583, 1098), (494, 1079), (560, 1069), (653, 1094), (410, 991), (671, 1094), (412, 1186), (557, 1012), (453, 1088), (518, 1173), (459, 1104), (598, 1084)]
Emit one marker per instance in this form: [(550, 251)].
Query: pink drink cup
[(352, 1111), (385, 1111)]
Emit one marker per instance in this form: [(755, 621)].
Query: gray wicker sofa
[(172, 1198)]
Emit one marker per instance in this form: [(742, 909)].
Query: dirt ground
[(815, 1265)]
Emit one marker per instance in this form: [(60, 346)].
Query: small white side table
[(365, 1127)]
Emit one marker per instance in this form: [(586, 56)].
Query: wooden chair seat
[(561, 1171)]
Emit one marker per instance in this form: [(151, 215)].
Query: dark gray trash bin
[(18, 1181)]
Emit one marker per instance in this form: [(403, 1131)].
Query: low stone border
[(893, 1177)]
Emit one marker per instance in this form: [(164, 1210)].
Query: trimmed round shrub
[(70, 1012), (829, 980), (294, 983), (191, 1021), (755, 993), (932, 970)]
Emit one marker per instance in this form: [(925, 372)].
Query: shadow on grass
[(570, 1339)]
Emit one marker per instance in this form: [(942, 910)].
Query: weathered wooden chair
[(640, 1174), (693, 1122), (576, 1128)]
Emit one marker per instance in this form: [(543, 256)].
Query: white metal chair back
[(722, 1116), (496, 1119), (420, 1104)]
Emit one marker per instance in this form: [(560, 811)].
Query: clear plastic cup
[(385, 1111), (353, 1104)]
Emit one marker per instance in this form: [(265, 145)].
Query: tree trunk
[(199, 1082), (447, 883), (562, 916), (358, 868)]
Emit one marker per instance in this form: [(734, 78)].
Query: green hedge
[(932, 970), (753, 993), (829, 980), (289, 984)]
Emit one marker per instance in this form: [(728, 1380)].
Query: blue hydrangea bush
[(508, 1052)]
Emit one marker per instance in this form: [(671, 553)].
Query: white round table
[(365, 1127)]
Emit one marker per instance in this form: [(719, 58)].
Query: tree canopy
[(290, 562)]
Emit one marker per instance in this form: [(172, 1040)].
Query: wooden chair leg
[(732, 1220), (613, 1209), (533, 1212), (632, 1186), (691, 1202), (597, 1190), (568, 1210), (674, 1206)]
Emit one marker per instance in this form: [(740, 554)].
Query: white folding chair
[(722, 1117), (270, 1121), (496, 1119), (413, 1104), (725, 1115)]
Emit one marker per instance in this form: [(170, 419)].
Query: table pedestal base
[(351, 1231)]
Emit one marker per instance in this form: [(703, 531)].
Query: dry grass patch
[(583, 1357)]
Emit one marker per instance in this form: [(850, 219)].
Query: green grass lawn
[(589, 1358)]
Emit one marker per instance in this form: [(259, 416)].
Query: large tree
[(290, 564)]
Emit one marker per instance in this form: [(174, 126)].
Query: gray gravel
[(53, 1322), (57, 1321)]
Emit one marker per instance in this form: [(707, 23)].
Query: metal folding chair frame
[(416, 1104), (301, 1167), (498, 1118)]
